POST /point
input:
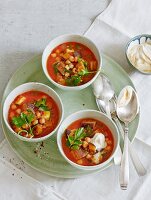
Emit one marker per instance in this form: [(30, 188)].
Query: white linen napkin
[(103, 185), (111, 31), (16, 185)]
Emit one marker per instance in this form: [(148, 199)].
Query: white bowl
[(88, 114), (24, 88), (70, 38), (139, 39)]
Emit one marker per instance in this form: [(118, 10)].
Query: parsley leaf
[(41, 104), (74, 142), (84, 72), (18, 121), (55, 65), (73, 81), (24, 119)]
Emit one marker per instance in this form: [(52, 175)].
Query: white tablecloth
[(110, 31)]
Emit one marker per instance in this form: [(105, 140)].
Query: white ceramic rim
[(48, 49), (59, 136), (5, 115)]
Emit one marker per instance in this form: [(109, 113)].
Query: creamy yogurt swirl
[(99, 141), (140, 56)]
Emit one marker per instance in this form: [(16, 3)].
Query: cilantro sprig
[(41, 104), (55, 65), (74, 141), (23, 118), (73, 80)]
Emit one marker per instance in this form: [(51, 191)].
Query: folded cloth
[(103, 185), (111, 31), (16, 185)]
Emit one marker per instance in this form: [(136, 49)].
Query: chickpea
[(44, 97), (84, 144), (88, 156), (53, 55), (24, 107), (58, 59), (35, 122), (67, 74), (11, 114), (92, 148), (25, 126), (71, 58), (38, 114), (67, 67), (71, 65), (13, 106), (42, 120), (87, 139), (76, 59), (80, 162), (68, 62), (18, 111), (57, 51), (74, 70)]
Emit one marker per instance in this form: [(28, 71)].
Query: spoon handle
[(124, 171), (107, 108), (141, 171)]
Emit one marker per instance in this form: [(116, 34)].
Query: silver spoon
[(126, 111), (103, 90), (141, 171)]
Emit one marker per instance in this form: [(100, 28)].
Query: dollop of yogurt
[(140, 56), (125, 96), (99, 141)]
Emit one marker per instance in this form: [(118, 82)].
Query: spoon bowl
[(103, 91), (128, 112)]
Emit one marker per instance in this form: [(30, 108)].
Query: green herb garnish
[(84, 72), (73, 81), (41, 104), (24, 119), (55, 65), (18, 121), (74, 141)]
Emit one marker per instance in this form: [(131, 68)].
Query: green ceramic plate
[(48, 159)]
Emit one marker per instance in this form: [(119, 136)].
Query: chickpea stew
[(33, 114), (87, 142), (72, 64)]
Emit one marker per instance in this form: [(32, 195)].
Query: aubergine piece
[(78, 154), (67, 132), (61, 68), (86, 123)]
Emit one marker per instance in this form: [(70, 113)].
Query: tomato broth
[(85, 152), (33, 114), (72, 64)]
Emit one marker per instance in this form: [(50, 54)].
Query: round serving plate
[(45, 156)]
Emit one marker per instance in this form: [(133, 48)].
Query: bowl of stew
[(88, 139), (71, 62), (33, 112)]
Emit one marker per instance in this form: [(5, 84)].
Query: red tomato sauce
[(38, 114), (100, 127), (61, 56)]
